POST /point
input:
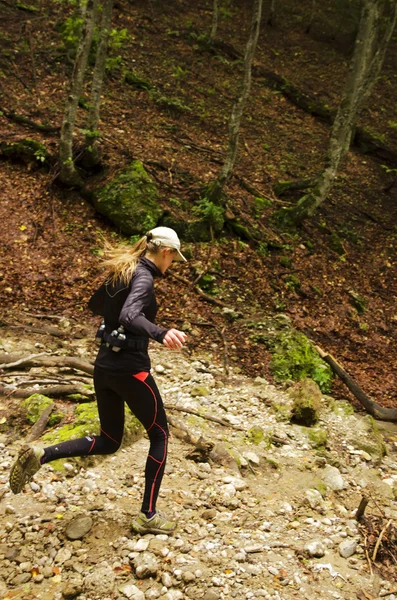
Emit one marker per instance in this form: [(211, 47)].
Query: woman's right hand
[(174, 339)]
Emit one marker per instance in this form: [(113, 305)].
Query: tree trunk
[(359, 81), (382, 45), (239, 105), (215, 17), (68, 172), (311, 19), (92, 156), (272, 15)]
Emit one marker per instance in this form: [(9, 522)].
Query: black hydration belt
[(120, 339)]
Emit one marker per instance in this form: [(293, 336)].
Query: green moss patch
[(317, 437), (87, 423), (306, 402), (35, 406), (130, 200), (255, 435), (293, 357)]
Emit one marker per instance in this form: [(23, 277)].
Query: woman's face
[(166, 256)]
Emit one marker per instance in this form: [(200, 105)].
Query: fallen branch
[(202, 416), (12, 116), (7, 361), (47, 330), (374, 409), (198, 290), (378, 542), (40, 424), (55, 390), (20, 361)]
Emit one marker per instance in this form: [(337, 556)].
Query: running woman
[(127, 303)]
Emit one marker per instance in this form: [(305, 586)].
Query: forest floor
[(335, 278)]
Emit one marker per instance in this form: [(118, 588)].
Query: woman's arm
[(132, 315)]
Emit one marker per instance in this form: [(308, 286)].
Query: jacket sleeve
[(96, 304), (132, 314)]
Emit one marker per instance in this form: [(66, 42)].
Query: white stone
[(333, 479), (347, 548), (131, 591), (315, 548)]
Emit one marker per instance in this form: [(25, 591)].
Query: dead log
[(40, 424), (55, 390), (8, 361), (374, 409), (12, 116), (42, 330)]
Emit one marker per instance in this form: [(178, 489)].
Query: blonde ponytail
[(121, 261)]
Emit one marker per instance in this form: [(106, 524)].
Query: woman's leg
[(111, 417), (144, 400)]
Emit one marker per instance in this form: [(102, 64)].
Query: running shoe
[(156, 524), (23, 469)]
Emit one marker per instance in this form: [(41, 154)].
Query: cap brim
[(179, 256)]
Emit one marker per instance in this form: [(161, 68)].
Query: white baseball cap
[(167, 237)]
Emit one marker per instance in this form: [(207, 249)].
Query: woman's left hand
[(174, 339)]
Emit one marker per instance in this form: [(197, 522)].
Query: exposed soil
[(52, 236)]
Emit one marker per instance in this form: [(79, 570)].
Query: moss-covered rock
[(306, 397), (255, 435), (367, 437), (282, 411), (35, 406), (130, 200), (317, 437), (26, 150), (199, 390), (87, 423), (194, 230)]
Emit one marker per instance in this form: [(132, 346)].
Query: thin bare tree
[(216, 189), (92, 155), (215, 19), (68, 172), (377, 22)]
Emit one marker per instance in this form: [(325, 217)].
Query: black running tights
[(142, 396)]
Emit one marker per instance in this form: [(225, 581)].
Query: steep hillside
[(335, 277)]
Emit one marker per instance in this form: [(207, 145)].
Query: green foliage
[(113, 63), (90, 134), (83, 103), (336, 244), (207, 283), (388, 169), (117, 38), (135, 80), (286, 262), (71, 31), (358, 301), (210, 213), (173, 104), (293, 358), (292, 282), (179, 74)]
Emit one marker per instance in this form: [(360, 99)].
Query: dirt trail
[(273, 519)]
